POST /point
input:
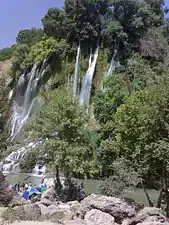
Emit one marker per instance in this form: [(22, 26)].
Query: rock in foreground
[(93, 210)]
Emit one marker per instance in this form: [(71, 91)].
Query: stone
[(49, 194), (74, 222), (33, 212), (155, 220), (116, 207), (151, 211), (46, 202), (17, 201), (146, 215), (97, 217)]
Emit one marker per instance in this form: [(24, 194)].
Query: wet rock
[(97, 217)]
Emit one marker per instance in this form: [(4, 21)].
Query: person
[(19, 186), (30, 184), (22, 186), (26, 186)]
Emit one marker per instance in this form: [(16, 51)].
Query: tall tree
[(29, 36), (61, 123)]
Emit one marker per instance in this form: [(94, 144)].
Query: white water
[(25, 98), (76, 73), (87, 83), (113, 65), (10, 94), (12, 161), (90, 57)]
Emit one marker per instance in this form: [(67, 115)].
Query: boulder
[(46, 202), (154, 220), (49, 194), (17, 201), (6, 198), (149, 211), (114, 206), (146, 215), (97, 217), (74, 222), (32, 212)]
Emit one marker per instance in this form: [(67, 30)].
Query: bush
[(123, 177)]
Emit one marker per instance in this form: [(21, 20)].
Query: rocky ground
[(93, 210)]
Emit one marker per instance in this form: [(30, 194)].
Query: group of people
[(21, 187)]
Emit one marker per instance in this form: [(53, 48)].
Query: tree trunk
[(147, 195), (160, 192), (166, 190), (159, 198), (58, 185)]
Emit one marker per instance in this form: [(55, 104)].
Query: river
[(91, 186)]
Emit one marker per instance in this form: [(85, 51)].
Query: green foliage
[(154, 45), (107, 102), (6, 53), (29, 162), (141, 121), (166, 29), (4, 114), (45, 48), (123, 177), (54, 23), (29, 36), (62, 124), (86, 27), (18, 56)]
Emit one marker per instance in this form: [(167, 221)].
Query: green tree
[(29, 161), (154, 45), (29, 36), (4, 115), (18, 56), (123, 177), (106, 102), (44, 49), (6, 53), (61, 122), (54, 23), (140, 125), (86, 18)]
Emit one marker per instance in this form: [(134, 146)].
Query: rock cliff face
[(5, 67), (93, 210)]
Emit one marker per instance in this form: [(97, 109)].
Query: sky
[(23, 14)]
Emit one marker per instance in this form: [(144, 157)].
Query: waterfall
[(90, 57), (75, 81), (87, 83), (113, 65), (26, 96), (10, 95), (12, 160)]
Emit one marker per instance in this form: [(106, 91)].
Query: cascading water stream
[(26, 97), (76, 73), (12, 160), (87, 83), (113, 64), (90, 57)]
